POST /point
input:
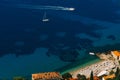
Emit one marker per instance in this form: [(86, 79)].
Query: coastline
[(82, 65)]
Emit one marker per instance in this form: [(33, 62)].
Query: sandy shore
[(82, 66), (96, 68)]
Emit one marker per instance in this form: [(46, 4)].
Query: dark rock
[(112, 37), (69, 55)]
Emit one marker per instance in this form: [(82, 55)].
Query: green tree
[(117, 74), (119, 62), (111, 72), (117, 71), (81, 77), (19, 78), (91, 76), (67, 76), (78, 76)]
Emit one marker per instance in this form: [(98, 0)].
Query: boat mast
[(44, 17)]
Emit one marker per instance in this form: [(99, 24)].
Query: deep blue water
[(22, 30)]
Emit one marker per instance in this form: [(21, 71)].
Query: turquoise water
[(80, 63), (78, 66)]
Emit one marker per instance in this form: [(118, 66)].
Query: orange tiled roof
[(110, 76), (117, 53), (46, 75), (95, 78), (73, 79)]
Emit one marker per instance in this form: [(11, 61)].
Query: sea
[(55, 35)]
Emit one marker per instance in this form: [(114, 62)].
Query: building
[(47, 76), (73, 79), (108, 77), (94, 78), (116, 54), (102, 73)]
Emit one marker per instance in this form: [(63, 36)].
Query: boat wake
[(41, 7)]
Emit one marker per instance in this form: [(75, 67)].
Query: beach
[(80, 66), (97, 66)]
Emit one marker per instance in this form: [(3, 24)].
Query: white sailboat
[(44, 18)]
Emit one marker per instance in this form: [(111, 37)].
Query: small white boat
[(91, 53), (71, 9), (44, 18)]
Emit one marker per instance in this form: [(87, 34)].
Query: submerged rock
[(69, 55), (112, 37)]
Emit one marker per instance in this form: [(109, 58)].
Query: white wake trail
[(41, 7)]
